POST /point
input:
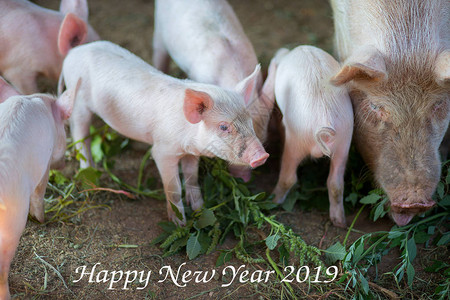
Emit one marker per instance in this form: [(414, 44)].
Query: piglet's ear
[(66, 100), (442, 69), (365, 66), (73, 32), (77, 7), (6, 90), (247, 86), (196, 104)]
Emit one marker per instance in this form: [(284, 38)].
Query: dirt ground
[(95, 236)]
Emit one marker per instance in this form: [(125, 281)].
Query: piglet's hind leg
[(335, 184), (288, 173)]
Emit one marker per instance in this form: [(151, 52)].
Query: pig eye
[(225, 127), (374, 106)]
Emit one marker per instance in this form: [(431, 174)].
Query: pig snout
[(404, 208), (259, 159), (255, 155)]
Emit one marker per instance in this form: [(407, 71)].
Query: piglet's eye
[(374, 106), (225, 127)]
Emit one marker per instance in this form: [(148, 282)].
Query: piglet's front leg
[(168, 169), (189, 165)]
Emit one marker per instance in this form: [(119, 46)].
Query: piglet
[(207, 41), (32, 140), (182, 119), (34, 40), (318, 119)]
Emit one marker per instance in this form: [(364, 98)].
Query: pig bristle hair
[(411, 31)]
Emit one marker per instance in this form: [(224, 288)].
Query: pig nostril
[(259, 161)]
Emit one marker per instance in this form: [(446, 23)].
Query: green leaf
[(421, 237), (159, 238), (167, 226), (394, 234), (358, 251), (445, 239), (436, 266), (207, 218), (177, 244), (272, 240), (176, 211), (89, 177), (364, 283), (379, 211), (96, 149), (447, 179), (335, 253), (411, 248), (370, 199), (440, 190), (57, 177), (204, 240), (284, 254), (445, 202), (224, 257), (411, 273), (353, 198), (193, 246)]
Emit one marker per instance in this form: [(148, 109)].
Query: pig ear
[(442, 69), (195, 105), (6, 90), (77, 7), (72, 33), (367, 65), (247, 86), (66, 100)]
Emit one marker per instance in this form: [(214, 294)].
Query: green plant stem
[(154, 194), (353, 224), (141, 167), (277, 270)]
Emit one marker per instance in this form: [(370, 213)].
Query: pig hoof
[(339, 223), (177, 221), (194, 197), (278, 199)]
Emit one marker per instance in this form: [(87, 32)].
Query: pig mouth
[(402, 219), (411, 206), (403, 209)]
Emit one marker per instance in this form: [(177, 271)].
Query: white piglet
[(32, 140), (34, 40), (207, 41), (318, 119), (182, 119)]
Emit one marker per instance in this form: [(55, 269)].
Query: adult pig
[(34, 40), (317, 117), (397, 64), (207, 41), (32, 140), (181, 118)]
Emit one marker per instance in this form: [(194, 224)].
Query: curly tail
[(324, 136)]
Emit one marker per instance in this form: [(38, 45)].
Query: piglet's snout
[(259, 159), (255, 155)]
